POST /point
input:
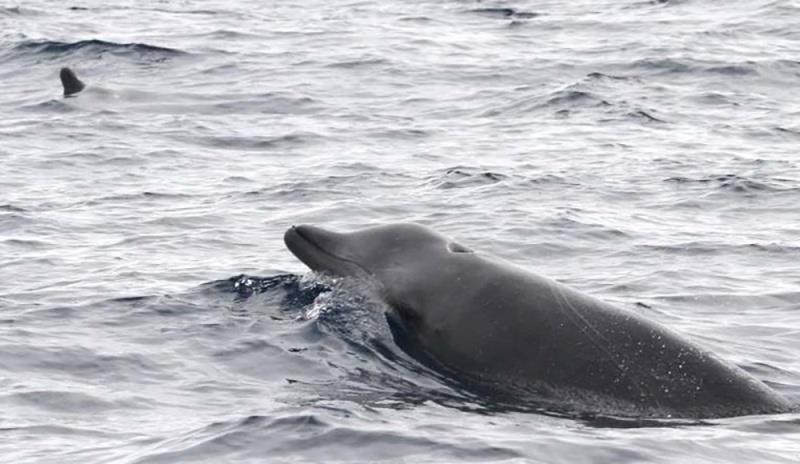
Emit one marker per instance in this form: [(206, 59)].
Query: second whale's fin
[(71, 83)]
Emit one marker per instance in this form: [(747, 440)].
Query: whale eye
[(457, 248)]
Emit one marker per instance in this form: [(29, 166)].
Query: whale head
[(407, 261), (376, 251)]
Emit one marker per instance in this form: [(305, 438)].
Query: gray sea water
[(644, 152)]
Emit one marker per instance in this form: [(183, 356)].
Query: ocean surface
[(645, 152)]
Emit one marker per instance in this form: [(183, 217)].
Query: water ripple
[(94, 47)]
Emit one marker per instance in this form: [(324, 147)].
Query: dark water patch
[(202, 12), (258, 346), (562, 103), (26, 243), (668, 65), (79, 363), (189, 222), (13, 11), (791, 132), (60, 401), (227, 34), (493, 12), (56, 430), (11, 208), (503, 13), (58, 105), (601, 76), (242, 434), (144, 311), (417, 19), (222, 11), (402, 134), (575, 98), (329, 187), (131, 299), (268, 103), (306, 191), (576, 228), (781, 67), (775, 301), (550, 179), (737, 183), (239, 179), (13, 221), (716, 248), (688, 249), (562, 114), (93, 47), (366, 62), (715, 98), (733, 69), (462, 176), (223, 69), (775, 248), (690, 66), (253, 143), (644, 116), (667, 2), (319, 438), (138, 197), (141, 241), (295, 353)]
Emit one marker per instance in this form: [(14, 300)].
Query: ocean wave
[(249, 143), (328, 188), (61, 401), (561, 102), (737, 183), (93, 46), (602, 76), (503, 13), (280, 436), (580, 229), (27, 244), (460, 177), (575, 97), (644, 116), (12, 209), (773, 68), (714, 248), (133, 197), (341, 338), (366, 62), (19, 11), (74, 361), (268, 103)]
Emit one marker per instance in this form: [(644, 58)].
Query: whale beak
[(303, 236), (321, 250)]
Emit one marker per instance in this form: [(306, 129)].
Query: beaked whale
[(493, 324)]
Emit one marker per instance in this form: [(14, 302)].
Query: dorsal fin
[(71, 83)]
